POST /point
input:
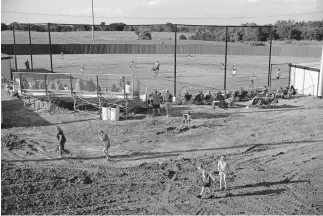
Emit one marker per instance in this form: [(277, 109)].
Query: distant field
[(201, 72), (105, 37)]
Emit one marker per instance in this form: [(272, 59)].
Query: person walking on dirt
[(156, 103), (61, 141), (105, 141), (207, 177), (62, 55), (168, 98), (27, 65), (223, 168)]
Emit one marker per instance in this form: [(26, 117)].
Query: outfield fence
[(53, 42)]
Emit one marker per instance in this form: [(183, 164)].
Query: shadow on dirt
[(14, 115), (268, 184), (256, 193)]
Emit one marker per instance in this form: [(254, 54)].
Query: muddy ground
[(277, 155)]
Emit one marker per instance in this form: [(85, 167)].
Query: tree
[(143, 34), (103, 27), (182, 37), (117, 26), (170, 27), (284, 29), (4, 27)]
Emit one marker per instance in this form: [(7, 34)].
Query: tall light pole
[(93, 24)]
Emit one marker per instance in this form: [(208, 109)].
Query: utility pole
[(93, 24)]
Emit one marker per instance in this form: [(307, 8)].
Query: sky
[(208, 12)]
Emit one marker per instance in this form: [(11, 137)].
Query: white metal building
[(6, 66), (305, 78)]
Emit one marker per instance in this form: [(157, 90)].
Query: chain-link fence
[(180, 58)]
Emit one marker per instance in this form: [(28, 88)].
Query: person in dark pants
[(61, 141), (156, 103), (207, 179), (27, 65)]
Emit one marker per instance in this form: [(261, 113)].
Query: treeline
[(283, 30)]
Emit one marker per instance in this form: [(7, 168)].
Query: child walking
[(207, 177), (224, 168), (61, 141), (105, 141)]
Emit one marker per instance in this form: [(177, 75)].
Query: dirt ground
[(277, 155)]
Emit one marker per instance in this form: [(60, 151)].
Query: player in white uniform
[(132, 63), (234, 71), (222, 66), (278, 75), (82, 68)]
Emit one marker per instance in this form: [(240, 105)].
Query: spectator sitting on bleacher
[(264, 90), (219, 96), (199, 97), (207, 96), (280, 92)]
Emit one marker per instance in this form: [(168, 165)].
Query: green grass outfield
[(201, 72), (119, 37)]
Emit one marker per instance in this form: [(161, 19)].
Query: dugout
[(305, 78), (6, 66)]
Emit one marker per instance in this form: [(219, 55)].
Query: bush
[(90, 86), (253, 43), (143, 34), (11, 141), (182, 37)]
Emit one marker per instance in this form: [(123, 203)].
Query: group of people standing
[(157, 99), (224, 168)]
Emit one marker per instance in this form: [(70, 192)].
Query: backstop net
[(76, 84)]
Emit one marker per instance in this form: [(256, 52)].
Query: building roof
[(315, 66), (5, 56)]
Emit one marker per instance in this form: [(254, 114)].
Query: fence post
[(30, 49), (225, 60), (133, 85), (175, 60), (289, 72), (50, 48), (14, 45), (269, 64), (71, 84), (20, 83), (124, 86), (45, 76)]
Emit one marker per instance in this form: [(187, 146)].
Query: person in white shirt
[(132, 63), (222, 66), (82, 68), (157, 65), (105, 141), (234, 71), (224, 168), (187, 118), (278, 75)]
